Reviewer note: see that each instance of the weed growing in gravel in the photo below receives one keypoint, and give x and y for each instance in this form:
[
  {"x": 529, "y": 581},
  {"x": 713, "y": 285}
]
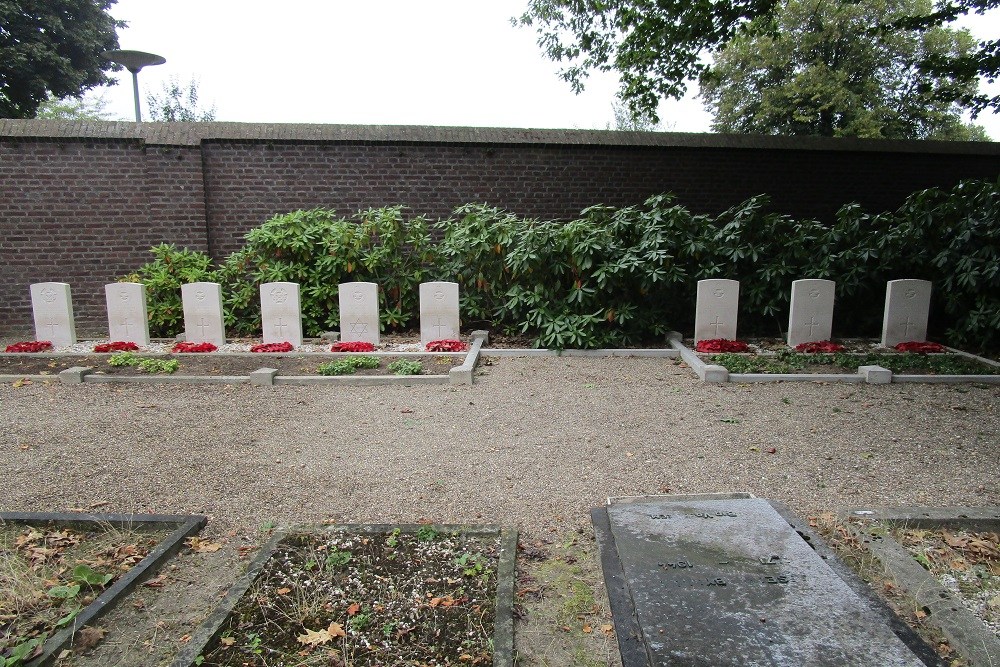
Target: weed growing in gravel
[{"x": 406, "y": 367}]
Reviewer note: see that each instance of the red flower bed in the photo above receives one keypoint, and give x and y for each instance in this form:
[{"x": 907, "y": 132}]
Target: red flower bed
[
  {"x": 273, "y": 347},
  {"x": 116, "y": 346},
  {"x": 353, "y": 346},
  {"x": 30, "y": 346},
  {"x": 922, "y": 347},
  {"x": 721, "y": 345},
  {"x": 194, "y": 347},
  {"x": 446, "y": 346},
  {"x": 816, "y": 347}
]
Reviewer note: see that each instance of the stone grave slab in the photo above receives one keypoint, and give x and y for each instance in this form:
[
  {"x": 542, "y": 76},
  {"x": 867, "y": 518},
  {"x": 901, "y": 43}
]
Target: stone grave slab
[
  {"x": 699, "y": 581},
  {"x": 203, "y": 321},
  {"x": 810, "y": 315},
  {"x": 907, "y": 306},
  {"x": 439, "y": 318},
  {"x": 359, "y": 312},
  {"x": 127, "y": 316},
  {"x": 716, "y": 309},
  {"x": 52, "y": 307},
  {"x": 281, "y": 313}
]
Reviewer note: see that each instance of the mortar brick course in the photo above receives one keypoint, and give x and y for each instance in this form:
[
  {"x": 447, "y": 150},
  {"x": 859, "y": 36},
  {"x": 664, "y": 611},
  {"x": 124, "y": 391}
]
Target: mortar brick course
[{"x": 82, "y": 202}]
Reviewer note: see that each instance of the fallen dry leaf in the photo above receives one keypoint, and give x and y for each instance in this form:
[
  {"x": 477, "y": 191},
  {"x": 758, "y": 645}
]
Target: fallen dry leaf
[
  {"x": 201, "y": 546},
  {"x": 314, "y": 637},
  {"x": 89, "y": 637},
  {"x": 156, "y": 582},
  {"x": 227, "y": 641},
  {"x": 20, "y": 383},
  {"x": 283, "y": 591},
  {"x": 185, "y": 639},
  {"x": 336, "y": 630},
  {"x": 353, "y": 609},
  {"x": 608, "y": 629},
  {"x": 587, "y": 628}
]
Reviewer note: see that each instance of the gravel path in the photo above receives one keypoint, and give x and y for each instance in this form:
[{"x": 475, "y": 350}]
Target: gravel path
[{"x": 535, "y": 443}]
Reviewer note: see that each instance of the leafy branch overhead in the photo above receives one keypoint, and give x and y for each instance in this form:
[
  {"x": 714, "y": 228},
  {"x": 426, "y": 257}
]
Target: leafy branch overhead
[{"x": 659, "y": 48}]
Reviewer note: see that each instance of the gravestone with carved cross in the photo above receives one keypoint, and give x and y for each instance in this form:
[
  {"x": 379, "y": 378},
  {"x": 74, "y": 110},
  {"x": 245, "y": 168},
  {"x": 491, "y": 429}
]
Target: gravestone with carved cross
[
  {"x": 715, "y": 309},
  {"x": 52, "y": 307},
  {"x": 439, "y": 318},
  {"x": 810, "y": 314},
  {"x": 907, "y": 307},
  {"x": 127, "y": 316},
  {"x": 359, "y": 312},
  {"x": 281, "y": 313},
  {"x": 203, "y": 321}
]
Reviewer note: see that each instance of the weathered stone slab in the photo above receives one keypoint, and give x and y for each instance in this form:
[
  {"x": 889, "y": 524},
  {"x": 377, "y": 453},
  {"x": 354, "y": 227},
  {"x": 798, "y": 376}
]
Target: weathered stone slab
[
  {"x": 52, "y": 307},
  {"x": 730, "y": 582},
  {"x": 439, "y": 318},
  {"x": 281, "y": 313},
  {"x": 203, "y": 313},
  {"x": 359, "y": 312},
  {"x": 907, "y": 306},
  {"x": 128, "y": 319},
  {"x": 810, "y": 315},
  {"x": 716, "y": 309}
]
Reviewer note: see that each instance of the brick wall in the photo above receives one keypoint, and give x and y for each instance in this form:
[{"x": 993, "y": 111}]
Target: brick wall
[{"x": 83, "y": 202}]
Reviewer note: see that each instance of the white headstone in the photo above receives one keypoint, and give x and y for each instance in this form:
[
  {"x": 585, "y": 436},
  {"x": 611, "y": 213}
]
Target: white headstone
[
  {"x": 52, "y": 306},
  {"x": 810, "y": 315},
  {"x": 127, "y": 317},
  {"x": 203, "y": 313},
  {"x": 439, "y": 312},
  {"x": 716, "y": 309},
  {"x": 281, "y": 313},
  {"x": 907, "y": 306},
  {"x": 359, "y": 312}
]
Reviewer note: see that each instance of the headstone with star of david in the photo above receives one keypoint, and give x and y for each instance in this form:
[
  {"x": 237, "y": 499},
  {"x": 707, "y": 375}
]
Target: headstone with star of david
[
  {"x": 907, "y": 306},
  {"x": 810, "y": 315},
  {"x": 203, "y": 321},
  {"x": 281, "y": 313},
  {"x": 128, "y": 320},
  {"x": 359, "y": 312},
  {"x": 52, "y": 307},
  {"x": 439, "y": 319},
  {"x": 716, "y": 308}
]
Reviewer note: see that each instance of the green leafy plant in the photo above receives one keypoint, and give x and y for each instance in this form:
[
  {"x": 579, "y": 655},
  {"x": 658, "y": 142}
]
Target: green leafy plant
[
  {"x": 338, "y": 558},
  {"x": 427, "y": 534},
  {"x": 405, "y": 367},
  {"x": 153, "y": 365},
  {"x": 124, "y": 359},
  {"x": 348, "y": 365}
]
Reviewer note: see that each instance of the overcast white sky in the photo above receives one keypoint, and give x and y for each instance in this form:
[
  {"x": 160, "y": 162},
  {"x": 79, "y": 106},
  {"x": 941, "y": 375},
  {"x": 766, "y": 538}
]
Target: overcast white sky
[{"x": 378, "y": 62}]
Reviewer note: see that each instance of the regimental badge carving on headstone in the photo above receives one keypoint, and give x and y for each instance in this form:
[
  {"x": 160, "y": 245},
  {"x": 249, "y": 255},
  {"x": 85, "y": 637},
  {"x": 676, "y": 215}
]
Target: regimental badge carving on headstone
[
  {"x": 359, "y": 312},
  {"x": 281, "y": 313}
]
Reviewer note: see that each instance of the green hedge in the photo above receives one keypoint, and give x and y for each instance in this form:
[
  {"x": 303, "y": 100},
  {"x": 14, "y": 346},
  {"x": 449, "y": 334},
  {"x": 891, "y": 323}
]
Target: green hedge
[{"x": 615, "y": 276}]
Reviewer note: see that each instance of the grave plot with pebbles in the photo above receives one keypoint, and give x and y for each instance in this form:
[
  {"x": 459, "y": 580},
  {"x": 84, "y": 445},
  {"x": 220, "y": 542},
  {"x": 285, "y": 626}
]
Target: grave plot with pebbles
[{"x": 366, "y": 595}]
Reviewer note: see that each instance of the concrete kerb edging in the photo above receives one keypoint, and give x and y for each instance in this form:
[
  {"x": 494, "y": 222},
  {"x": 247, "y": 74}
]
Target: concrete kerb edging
[
  {"x": 186, "y": 526},
  {"x": 964, "y": 630},
  {"x": 865, "y": 374},
  {"x": 503, "y": 627}
]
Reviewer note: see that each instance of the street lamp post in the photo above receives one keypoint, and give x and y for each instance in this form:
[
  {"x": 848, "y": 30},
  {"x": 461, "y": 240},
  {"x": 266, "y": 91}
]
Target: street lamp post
[{"x": 134, "y": 61}]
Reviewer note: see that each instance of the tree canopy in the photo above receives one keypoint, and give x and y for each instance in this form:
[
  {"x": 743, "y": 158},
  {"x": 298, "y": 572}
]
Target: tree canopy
[
  {"x": 52, "y": 49},
  {"x": 816, "y": 67},
  {"x": 659, "y": 47},
  {"x": 178, "y": 103}
]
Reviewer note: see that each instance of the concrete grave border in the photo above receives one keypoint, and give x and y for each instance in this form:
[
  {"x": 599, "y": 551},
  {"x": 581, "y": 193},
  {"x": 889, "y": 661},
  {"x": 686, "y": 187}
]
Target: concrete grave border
[
  {"x": 458, "y": 375},
  {"x": 503, "y": 626},
  {"x": 186, "y": 526},
  {"x": 866, "y": 374},
  {"x": 627, "y": 630},
  {"x": 963, "y": 629}
]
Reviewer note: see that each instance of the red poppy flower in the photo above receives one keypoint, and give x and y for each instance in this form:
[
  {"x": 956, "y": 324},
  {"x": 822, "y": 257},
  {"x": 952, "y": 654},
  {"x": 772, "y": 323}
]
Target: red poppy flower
[
  {"x": 353, "y": 346},
  {"x": 446, "y": 346},
  {"x": 816, "y": 347},
  {"x": 921, "y": 347},
  {"x": 273, "y": 347},
  {"x": 194, "y": 347},
  {"x": 116, "y": 346},
  {"x": 30, "y": 346},
  {"x": 716, "y": 345}
]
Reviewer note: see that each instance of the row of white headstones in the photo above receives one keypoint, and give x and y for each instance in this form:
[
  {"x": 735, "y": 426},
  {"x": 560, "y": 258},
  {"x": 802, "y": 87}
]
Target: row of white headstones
[
  {"x": 907, "y": 304},
  {"x": 810, "y": 317},
  {"x": 281, "y": 312}
]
